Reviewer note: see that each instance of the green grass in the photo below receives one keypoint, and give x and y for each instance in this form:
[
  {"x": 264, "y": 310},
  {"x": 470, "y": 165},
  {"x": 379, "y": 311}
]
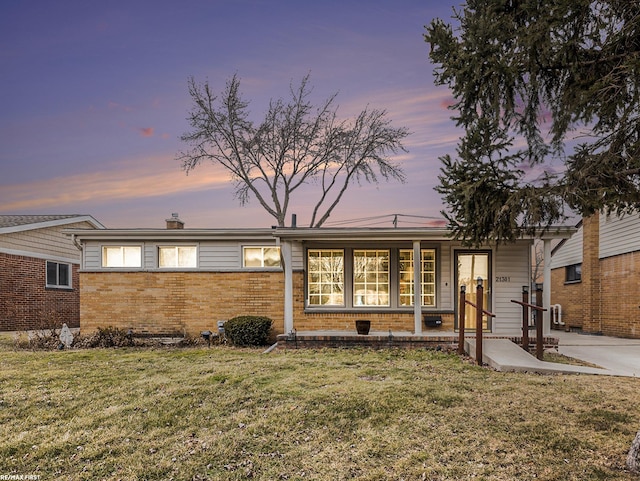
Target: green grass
[{"x": 224, "y": 413}]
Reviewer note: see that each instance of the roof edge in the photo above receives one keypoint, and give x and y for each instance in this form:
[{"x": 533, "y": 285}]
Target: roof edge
[{"x": 53, "y": 223}]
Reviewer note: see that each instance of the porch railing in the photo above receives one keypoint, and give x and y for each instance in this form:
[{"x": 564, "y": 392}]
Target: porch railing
[
  {"x": 537, "y": 307},
  {"x": 479, "y": 312}
]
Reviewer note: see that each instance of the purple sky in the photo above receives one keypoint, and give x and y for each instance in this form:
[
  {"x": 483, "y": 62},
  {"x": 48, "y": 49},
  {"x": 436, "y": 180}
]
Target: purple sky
[{"x": 94, "y": 100}]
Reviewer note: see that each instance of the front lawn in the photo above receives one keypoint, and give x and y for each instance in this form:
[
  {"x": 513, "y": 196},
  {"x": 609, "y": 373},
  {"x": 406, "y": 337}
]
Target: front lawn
[{"x": 224, "y": 413}]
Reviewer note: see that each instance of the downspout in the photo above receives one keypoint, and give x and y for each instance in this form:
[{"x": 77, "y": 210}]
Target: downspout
[
  {"x": 75, "y": 242},
  {"x": 79, "y": 247}
]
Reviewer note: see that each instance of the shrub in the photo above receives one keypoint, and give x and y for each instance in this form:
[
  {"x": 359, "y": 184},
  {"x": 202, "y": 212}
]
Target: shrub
[
  {"x": 106, "y": 337},
  {"x": 248, "y": 330}
]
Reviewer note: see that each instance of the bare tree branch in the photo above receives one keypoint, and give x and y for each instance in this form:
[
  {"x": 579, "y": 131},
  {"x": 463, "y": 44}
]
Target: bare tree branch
[{"x": 296, "y": 144}]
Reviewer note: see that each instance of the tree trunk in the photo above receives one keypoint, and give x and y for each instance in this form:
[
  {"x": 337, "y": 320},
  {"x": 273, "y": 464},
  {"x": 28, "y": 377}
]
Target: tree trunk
[{"x": 633, "y": 459}]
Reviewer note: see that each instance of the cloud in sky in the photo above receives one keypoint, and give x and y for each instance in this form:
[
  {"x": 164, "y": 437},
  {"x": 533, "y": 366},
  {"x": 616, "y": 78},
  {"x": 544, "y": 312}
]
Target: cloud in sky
[
  {"x": 116, "y": 78},
  {"x": 127, "y": 180}
]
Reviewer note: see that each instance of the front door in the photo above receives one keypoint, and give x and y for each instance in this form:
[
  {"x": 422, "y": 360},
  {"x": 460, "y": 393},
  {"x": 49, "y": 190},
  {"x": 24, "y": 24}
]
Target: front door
[{"x": 472, "y": 265}]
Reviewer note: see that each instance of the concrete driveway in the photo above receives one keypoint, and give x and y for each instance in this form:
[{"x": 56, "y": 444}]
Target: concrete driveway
[{"x": 618, "y": 355}]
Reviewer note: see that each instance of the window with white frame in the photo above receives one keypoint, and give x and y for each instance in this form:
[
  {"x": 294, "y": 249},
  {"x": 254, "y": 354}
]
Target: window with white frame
[
  {"x": 361, "y": 278},
  {"x": 261, "y": 256},
  {"x": 428, "y": 277},
  {"x": 121, "y": 256},
  {"x": 325, "y": 277},
  {"x": 58, "y": 275},
  {"x": 371, "y": 277},
  {"x": 177, "y": 256}
]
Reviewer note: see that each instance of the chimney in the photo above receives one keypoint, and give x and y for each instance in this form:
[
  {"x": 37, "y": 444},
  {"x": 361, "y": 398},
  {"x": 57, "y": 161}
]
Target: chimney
[{"x": 175, "y": 222}]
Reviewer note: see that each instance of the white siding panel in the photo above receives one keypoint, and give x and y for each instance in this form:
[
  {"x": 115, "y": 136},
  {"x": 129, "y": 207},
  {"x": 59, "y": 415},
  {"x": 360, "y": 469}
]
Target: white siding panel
[
  {"x": 511, "y": 272},
  {"x": 619, "y": 235},
  {"x": 569, "y": 253},
  {"x": 297, "y": 254},
  {"x": 92, "y": 256},
  {"x": 220, "y": 256},
  {"x": 149, "y": 260},
  {"x": 446, "y": 276},
  {"x": 49, "y": 241}
]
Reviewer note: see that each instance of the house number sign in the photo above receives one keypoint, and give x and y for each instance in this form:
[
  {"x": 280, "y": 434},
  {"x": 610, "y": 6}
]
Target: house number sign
[{"x": 503, "y": 279}]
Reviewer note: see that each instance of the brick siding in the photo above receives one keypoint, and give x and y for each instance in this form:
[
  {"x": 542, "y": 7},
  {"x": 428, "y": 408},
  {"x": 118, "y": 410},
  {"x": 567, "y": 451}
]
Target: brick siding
[
  {"x": 620, "y": 301},
  {"x": 570, "y": 297},
  {"x": 187, "y": 303},
  {"x": 606, "y": 301},
  {"x": 25, "y": 301},
  {"x": 184, "y": 303}
]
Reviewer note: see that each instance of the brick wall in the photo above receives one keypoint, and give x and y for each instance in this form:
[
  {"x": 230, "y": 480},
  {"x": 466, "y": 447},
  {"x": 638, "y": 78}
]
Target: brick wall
[
  {"x": 346, "y": 321},
  {"x": 192, "y": 302},
  {"x": 178, "y": 302},
  {"x": 607, "y": 300},
  {"x": 620, "y": 298},
  {"x": 591, "y": 273},
  {"x": 570, "y": 297},
  {"x": 25, "y": 302}
]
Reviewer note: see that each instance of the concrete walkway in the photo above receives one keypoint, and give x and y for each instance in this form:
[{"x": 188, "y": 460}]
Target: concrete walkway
[{"x": 614, "y": 356}]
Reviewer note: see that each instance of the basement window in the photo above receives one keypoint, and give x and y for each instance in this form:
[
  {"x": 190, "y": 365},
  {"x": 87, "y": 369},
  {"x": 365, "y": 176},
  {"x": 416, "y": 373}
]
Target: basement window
[{"x": 573, "y": 273}]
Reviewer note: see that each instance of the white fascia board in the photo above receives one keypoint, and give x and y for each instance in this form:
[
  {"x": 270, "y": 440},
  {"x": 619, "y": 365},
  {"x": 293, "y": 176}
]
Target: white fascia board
[
  {"x": 170, "y": 234},
  {"x": 52, "y": 223}
]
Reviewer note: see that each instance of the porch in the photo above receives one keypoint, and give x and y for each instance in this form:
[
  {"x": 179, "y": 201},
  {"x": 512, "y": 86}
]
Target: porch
[{"x": 390, "y": 339}]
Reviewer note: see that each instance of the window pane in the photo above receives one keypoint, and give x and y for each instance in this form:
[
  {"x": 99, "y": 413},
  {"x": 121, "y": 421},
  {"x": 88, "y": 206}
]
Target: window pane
[
  {"x": 167, "y": 257},
  {"x": 112, "y": 257},
  {"x": 271, "y": 257},
  {"x": 52, "y": 273},
  {"x": 573, "y": 273},
  {"x": 326, "y": 276},
  {"x": 63, "y": 275},
  {"x": 132, "y": 256},
  {"x": 371, "y": 277},
  {"x": 252, "y": 257},
  {"x": 428, "y": 284},
  {"x": 187, "y": 256}
]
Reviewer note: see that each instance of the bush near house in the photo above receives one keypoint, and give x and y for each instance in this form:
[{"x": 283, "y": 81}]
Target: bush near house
[{"x": 248, "y": 330}]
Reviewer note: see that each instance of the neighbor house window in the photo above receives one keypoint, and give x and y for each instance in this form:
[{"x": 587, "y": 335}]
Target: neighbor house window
[
  {"x": 428, "y": 276},
  {"x": 177, "y": 256},
  {"x": 370, "y": 277},
  {"x": 325, "y": 280},
  {"x": 58, "y": 274},
  {"x": 573, "y": 273},
  {"x": 122, "y": 256},
  {"x": 259, "y": 256}
]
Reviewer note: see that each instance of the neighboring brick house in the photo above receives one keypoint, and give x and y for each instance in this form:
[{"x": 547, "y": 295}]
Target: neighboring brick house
[
  {"x": 39, "y": 271},
  {"x": 183, "y": 281},
  {"x": 595, "y": 277}
]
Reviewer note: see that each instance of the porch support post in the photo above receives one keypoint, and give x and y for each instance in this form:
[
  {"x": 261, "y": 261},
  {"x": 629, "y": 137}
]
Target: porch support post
[
  {"x": 417, "y": 288},
  {"x": 546, "y": 289},
  {"x": 288, "y": 287}
]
